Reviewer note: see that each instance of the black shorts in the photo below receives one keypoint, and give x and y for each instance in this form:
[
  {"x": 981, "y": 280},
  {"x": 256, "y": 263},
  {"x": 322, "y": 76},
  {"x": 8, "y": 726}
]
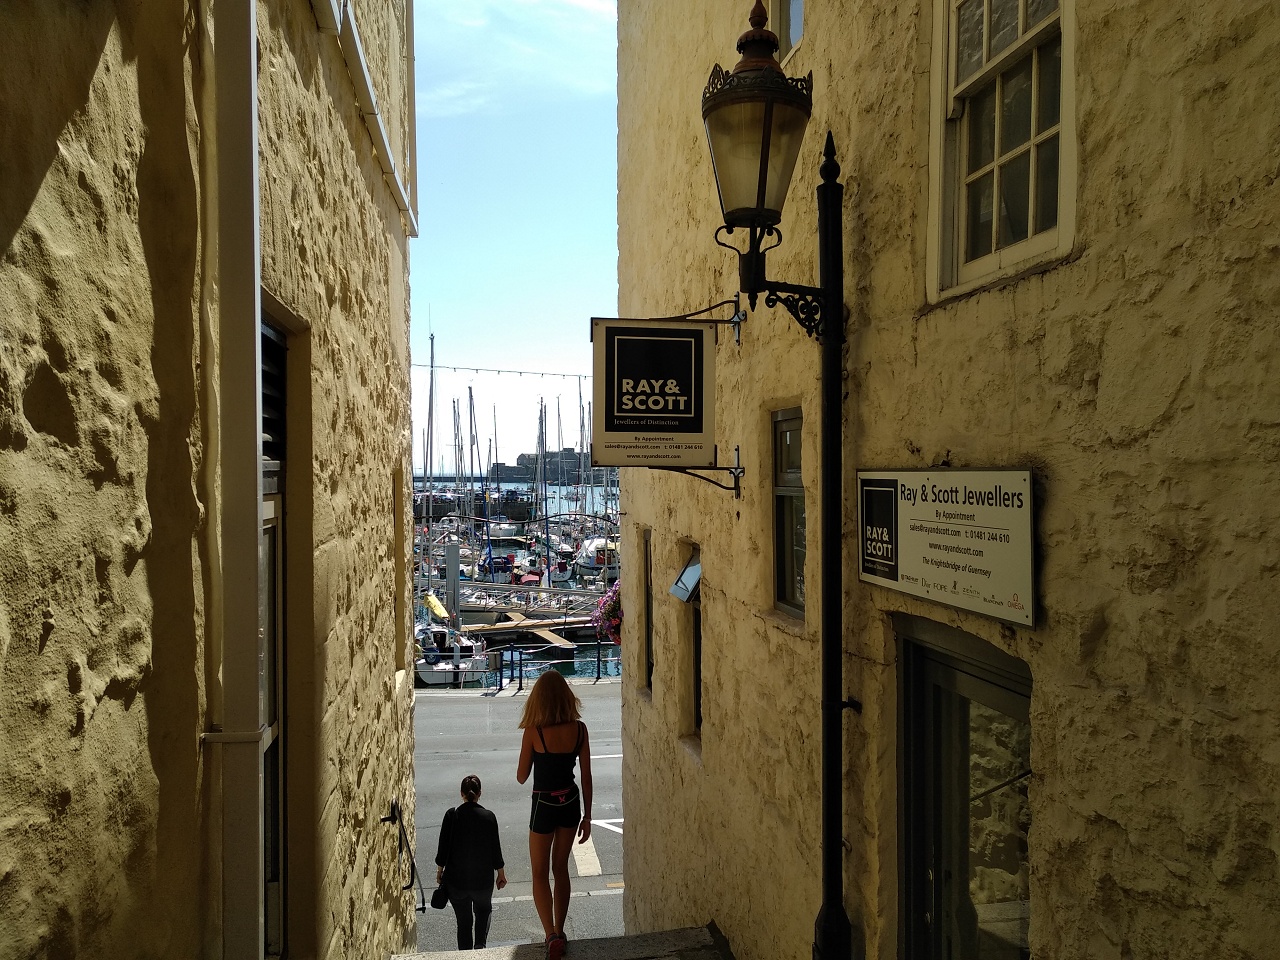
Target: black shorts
[{"x": 555, "y": 810}]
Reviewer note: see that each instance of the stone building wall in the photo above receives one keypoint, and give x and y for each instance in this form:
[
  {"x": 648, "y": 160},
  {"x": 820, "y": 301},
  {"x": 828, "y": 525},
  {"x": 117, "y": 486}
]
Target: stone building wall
[
  {"x": 109, "y": 809},
  {"x": 1135, "y": 378},
  {"x": 335, "y": 256}
]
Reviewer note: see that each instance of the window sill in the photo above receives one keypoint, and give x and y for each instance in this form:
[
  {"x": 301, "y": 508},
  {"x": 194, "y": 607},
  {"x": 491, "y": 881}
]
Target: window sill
[
  {"x": 788, "y": 621},
  {"x": 996, "y": 281},
  {"x": 795, "y": 614},
  {"x": 692, "y": 743}
]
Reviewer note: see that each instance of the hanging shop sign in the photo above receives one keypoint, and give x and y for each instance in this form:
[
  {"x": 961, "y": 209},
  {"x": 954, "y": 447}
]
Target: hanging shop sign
[
  {"x": 959, "y": 537},
  {"x": 654, "y": 394}
]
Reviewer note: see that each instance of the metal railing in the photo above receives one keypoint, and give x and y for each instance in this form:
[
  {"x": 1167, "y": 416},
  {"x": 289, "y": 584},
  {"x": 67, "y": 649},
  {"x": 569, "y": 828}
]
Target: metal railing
[
  {"x": 522, "y": 598},
  {"x": 524, "y": 662}
]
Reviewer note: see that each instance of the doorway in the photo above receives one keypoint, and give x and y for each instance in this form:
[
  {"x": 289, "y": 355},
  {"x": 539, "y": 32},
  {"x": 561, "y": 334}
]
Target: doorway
[{"x": 965, "y": 762}]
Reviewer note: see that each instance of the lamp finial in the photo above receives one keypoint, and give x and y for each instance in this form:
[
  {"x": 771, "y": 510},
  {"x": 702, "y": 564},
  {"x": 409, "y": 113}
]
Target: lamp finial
[
  {"x": 830, "y": 168},
  {"x": 759, "y": 44}
]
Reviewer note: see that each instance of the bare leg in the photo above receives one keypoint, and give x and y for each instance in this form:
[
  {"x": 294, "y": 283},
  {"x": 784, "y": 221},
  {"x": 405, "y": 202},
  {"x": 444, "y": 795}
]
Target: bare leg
[
  {"x": 560, "y": 848},
  {"x": 540, "y": 859}
]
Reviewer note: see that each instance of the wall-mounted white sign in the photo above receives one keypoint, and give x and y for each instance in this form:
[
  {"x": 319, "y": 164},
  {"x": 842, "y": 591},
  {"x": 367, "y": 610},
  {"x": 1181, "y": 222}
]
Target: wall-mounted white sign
[
  {"x": 654, "y": 394},
  {"x": 959, "y": 537}
]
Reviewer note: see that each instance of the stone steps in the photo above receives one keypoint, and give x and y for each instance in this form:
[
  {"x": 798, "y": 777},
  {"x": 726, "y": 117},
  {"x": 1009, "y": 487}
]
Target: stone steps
[{"x": 692, "y": 943}]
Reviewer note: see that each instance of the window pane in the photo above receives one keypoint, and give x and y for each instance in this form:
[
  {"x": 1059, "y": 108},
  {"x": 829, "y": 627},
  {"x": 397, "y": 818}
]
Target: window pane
[
  {"x": 795, "y": 22},
  {"x": 1015, "y": 107},
  {"x": 1037, "y": 10},
  {"x": 787, "y": 454},
  {"x": 1015, "y": 194},
  {"x": 979, "y": 215},
  {"x": 982, "y": 129},
  {"x": 969, "y": 40},
  {"x": 1047, "y": 185},
  {"x": 270, "y": 550},
  {"x": 1049, "y": 109},
  {"x": 999, "y": 819},
  {"x": 791, "y": 549},
  {"x": 1004, "y": 24}
]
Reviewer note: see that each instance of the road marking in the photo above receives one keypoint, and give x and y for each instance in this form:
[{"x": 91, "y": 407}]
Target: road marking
[
  {"x": 615, "y": 884},
  {"x": 606, "y": 756},
  {"x": 586, "y": 859},
  {"x": 614, "y": 825}
]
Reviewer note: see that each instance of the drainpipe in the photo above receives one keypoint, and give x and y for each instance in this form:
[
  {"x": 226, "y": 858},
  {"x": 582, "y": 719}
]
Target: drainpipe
[
  {"x": 239, "y": 422},
  {"x": 412, "y": 80}
]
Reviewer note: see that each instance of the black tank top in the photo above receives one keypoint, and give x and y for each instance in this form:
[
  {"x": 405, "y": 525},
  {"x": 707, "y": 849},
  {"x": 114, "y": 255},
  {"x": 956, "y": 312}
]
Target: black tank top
[{"x": 554, "y": 771}]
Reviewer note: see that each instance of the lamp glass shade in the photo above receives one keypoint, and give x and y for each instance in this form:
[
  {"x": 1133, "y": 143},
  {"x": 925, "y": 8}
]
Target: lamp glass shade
[{"x": 739, "y": 132}]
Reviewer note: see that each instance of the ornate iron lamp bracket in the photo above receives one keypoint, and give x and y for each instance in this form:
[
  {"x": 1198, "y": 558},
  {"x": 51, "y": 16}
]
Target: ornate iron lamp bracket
[{"x": 802, "y": 302}]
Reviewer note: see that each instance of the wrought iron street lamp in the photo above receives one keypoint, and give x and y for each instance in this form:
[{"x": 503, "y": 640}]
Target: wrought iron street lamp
[{"x": 755, "y": 118}]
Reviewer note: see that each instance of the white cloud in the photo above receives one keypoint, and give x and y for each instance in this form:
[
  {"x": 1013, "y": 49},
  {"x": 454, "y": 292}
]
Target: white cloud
[
  {"x": 453, "y": 99},
  {"x": 471, "y": 50}
]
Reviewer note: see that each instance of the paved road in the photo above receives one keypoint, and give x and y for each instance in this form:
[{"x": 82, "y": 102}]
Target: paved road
[{"x": 462, "y": 732}]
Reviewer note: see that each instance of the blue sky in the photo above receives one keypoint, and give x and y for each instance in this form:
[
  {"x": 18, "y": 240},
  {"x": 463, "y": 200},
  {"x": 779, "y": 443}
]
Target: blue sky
[{"x": 517, "y": 246}]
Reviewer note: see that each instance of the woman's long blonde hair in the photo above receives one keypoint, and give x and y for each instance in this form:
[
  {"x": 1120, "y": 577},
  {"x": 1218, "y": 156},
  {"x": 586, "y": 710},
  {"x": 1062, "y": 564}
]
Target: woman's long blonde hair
[{"x": 551, "y": 702}]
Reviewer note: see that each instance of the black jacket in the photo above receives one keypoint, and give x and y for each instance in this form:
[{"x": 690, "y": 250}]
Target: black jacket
[{"x": 469, "y": 849}]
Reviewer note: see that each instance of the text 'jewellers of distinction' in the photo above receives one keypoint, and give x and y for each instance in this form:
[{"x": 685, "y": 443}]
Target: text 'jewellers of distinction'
[{"x": 959, "y": 537}]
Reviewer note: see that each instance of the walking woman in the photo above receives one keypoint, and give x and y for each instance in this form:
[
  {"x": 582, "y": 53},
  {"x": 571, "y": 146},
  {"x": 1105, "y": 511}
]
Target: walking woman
[
  {"x": 554, "y": 738},
  {"x": 468, "y": 853}
]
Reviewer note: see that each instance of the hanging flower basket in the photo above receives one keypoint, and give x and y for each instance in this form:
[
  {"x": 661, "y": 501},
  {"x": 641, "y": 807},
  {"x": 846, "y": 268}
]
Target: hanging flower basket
[{"x": 608, "y": 616}]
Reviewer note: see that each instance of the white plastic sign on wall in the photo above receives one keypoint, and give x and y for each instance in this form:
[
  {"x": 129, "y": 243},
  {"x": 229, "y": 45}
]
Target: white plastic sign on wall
[
  {"x": 653, "y": 394},
  {"x": 959, "y": 537}
]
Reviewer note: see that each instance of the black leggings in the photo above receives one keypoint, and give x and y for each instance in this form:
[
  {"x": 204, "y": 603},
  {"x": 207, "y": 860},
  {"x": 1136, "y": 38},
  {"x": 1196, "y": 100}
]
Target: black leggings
[{"x": 465, "y": 902}]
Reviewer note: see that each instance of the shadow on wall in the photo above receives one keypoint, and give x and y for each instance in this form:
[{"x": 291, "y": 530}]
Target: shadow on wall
[
  {"x": 52, "y": 50},
  {"x": 158, "y": 41},
  {"x": 41, "y": 90}
]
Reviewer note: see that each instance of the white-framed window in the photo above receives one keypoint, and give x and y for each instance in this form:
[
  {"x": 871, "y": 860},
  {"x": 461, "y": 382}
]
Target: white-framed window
[
  {"x": 786, "y": 19},
  {"x": 1002, "y": 165}
]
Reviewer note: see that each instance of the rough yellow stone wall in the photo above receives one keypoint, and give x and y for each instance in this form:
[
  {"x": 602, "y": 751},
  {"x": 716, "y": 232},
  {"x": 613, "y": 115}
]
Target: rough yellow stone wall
[
  {"x": 335, "y": 255},
  {"x": 108, "y": 803},
  {"x": 102, "y": 635},
  {"x": 1137, "y": 380}
]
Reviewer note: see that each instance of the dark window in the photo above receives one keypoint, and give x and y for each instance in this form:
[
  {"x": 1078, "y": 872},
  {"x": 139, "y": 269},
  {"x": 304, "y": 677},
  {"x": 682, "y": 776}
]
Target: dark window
[
  {"x": 788, "y": 513},
  {"x": 697, "y": 663},
  {"x": 648, "y": 609},
  {"x": 688, "y": 587},
  {"x": 966, "y": 760},
  {"x": 788, "y": 24},
  {"x": 1008, "y": 78},
  {"x": 271, "y": 571},
  {"x": 273, "y": 407}
]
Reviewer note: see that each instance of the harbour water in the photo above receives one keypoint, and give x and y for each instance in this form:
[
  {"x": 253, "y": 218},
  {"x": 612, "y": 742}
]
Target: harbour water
[
  {"x": 517, "y": 502},
  {"x": 588, "y": 662}
]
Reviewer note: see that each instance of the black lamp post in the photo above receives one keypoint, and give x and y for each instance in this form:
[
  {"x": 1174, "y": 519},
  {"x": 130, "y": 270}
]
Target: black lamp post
[{"x": 755, "y": 117}]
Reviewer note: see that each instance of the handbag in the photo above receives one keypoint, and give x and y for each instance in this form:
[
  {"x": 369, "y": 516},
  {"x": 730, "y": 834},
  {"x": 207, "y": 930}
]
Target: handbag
[{"x": 440, "y": 896}]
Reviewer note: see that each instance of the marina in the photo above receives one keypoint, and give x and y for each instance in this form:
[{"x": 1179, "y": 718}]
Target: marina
[{"x": 511, "y": 563}]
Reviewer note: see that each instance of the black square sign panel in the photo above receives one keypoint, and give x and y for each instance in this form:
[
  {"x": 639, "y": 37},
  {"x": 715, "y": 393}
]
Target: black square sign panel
[
  {"x": 879, "y": 534},
  {"x": 655, "y": 380}
]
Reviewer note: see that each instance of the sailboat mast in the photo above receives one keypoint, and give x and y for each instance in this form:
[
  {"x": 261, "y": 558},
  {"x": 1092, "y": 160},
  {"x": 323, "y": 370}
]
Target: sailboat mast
[
  {"x": 457, "y": 452},
  {"x": 497, "y": 473},
  {"x": 427, "y": 438},
  {"x": 584, "y": 460},
  {"x": 559, "y": 456},
  {"x": 546, "y": 512}
]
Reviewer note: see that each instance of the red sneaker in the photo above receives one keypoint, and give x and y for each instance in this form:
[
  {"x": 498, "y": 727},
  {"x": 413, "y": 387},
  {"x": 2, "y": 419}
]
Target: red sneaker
[{"x": 556, "y": 944}]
